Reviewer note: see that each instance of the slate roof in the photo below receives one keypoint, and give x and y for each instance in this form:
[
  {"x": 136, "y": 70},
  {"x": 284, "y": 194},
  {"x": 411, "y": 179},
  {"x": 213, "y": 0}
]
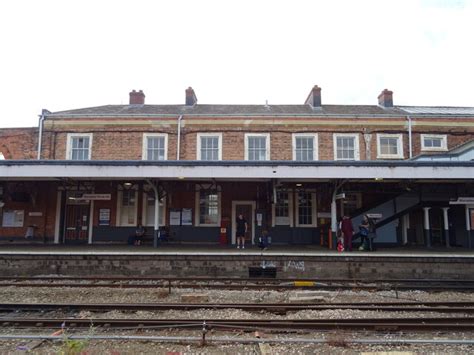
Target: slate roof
[
  {"x": 438, "y": 110},
  {"x": 263, "y": 110},
  {"x": 231, "y": 110}
]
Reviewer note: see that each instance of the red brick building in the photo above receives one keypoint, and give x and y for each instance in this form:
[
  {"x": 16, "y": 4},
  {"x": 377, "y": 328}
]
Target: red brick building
[{"x": 290, "y": 169}]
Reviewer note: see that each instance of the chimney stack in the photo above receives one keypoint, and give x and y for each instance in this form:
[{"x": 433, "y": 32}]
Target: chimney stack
[
  {"x": 314, "y": 97},
  {"x": 137, "y": 97},
  {"x": 386, "y": 98},
  {"x": 191, "y": 98}
]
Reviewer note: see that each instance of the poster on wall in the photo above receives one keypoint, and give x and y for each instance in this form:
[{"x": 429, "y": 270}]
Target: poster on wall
[
  {"x": 104, "y": 217},
  {"x": 187, "y": 217},
  {"x": 175, "y": 217},
  {"x": 13, "y": 218}
]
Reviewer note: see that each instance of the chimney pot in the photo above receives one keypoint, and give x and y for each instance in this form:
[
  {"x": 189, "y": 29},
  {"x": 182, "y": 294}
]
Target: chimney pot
[
  {"x": 191, "y": 98},
  {"x": 386, "y": 98},
  {"x": 137, "y": 98},
  {"x": 314, "y": 97}
]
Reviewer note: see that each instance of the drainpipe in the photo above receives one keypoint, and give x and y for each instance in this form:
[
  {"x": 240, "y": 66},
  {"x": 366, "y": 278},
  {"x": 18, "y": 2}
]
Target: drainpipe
[
  {"x": 156, "y": 227},
  {"x": 40, "y": 131},
  {"x": 409, "y": 137},
  {"x": 179, "y": 137}
]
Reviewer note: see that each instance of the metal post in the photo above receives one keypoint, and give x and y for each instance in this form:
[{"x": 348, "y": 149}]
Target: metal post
[
  {"x": 468, "y": 226},
  {"x": 156, "y": 228},
  {"x": 426, "y": 226},
  {"x": 446, "y": 225},
  {"x": 333, "y": 241}
]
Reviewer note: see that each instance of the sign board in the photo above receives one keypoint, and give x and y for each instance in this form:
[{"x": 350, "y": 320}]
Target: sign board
[
  {"x": 187, "y": 217},
  {"x": 324, "y": 214},
  {"x": 100, "y": 197},
  {"x": 340, "y": 196},
  {"x": 104, "y": 216},
  {"x": 462, "y": 201},
  {"x": 375, "y": 215},
  {"x": 35, "y": 214},
  {"x": 259, "y": 219},
  {"x": 13, "y": 218},
  {"x": 175, "y": 217}
]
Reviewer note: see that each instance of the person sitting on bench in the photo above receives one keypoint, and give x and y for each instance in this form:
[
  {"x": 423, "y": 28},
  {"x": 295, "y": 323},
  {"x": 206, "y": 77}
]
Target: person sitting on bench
[{"x": 139, "y": 233}]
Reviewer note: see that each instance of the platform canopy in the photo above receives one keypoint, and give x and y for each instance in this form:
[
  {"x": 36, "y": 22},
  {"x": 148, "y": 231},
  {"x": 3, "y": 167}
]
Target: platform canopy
[{"x": 236, "y": 170}]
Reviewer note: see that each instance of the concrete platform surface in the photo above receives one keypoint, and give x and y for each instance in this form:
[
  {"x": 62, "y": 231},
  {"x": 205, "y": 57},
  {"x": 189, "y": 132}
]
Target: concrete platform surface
[{"x": 200, "y": 250}]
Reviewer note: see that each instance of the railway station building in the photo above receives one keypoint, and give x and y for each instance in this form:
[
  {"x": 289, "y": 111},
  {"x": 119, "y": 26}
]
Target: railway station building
[{"x": 90, "y": 175}]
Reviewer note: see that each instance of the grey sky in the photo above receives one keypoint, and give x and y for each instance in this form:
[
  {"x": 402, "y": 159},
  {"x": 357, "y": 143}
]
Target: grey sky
[{"x": 62, "y": 55}]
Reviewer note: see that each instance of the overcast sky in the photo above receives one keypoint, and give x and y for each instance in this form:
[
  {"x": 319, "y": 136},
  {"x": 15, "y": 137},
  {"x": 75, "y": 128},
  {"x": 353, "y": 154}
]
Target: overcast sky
[{"x": 63, "y": 55}]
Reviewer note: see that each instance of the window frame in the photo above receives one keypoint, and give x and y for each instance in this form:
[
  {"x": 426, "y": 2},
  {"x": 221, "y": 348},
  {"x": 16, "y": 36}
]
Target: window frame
[
  {"x": 444, "y": 142},
  {"x": 69, "y": 140},
  {"x": 290, "y": 210},
  {"x": 197, "y": 210},
  {"x": 314, "y": 212},
  {"x": 219, "y": 144},
  {"x": 305, "y": 135},
  {"x": 267, "y": 145},
  {"x": 399, "y": 155},
  {"x": 145, "y": 144},
  {"x": 145, "y": 206},
  {"x": 356, "y": 145},
  {"x": 118, "y": 219}
]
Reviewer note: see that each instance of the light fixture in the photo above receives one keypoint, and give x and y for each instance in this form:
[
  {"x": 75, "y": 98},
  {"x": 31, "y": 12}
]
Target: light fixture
[
  {"x": 378, "y": 179},
  {"x": 181, "y": 177},
  {"x": 299, "y": 184},
  {"x": 127, "y": 185}
]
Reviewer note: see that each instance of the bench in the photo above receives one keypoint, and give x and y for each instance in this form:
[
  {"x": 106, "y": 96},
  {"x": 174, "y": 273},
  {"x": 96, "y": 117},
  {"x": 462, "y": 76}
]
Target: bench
[{"x": 148, "y": 237}]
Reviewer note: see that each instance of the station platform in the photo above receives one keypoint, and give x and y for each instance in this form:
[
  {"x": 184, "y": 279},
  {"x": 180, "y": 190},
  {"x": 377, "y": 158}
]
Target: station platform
[{"x": 217, "y": 261}]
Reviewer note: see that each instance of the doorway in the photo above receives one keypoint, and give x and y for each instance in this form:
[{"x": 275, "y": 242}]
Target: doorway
[
  {"x": 76, "y": 224},
  {"x": 247, "y": 209}
]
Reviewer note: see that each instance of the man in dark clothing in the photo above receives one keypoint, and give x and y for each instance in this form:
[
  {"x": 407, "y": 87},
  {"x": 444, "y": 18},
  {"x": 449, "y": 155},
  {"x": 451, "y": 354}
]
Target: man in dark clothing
[
  {"x": 241, "y": 229},
  {"x": 348, "y": 231}
]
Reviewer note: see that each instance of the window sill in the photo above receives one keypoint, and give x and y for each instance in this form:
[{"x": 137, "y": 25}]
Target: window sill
[
  {"x": 390, "y": 157},
  {"x": 434, "y": 149}
]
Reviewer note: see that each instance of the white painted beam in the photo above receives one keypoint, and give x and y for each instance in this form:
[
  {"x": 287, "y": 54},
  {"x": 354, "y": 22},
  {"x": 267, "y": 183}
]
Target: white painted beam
[{"x": 277, "y": 171}]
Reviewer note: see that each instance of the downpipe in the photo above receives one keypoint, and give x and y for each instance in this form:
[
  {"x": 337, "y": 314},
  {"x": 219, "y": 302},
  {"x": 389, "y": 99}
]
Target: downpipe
[
  {"x": 178, "y": 144},
  {"x": 40, "y": 131}
]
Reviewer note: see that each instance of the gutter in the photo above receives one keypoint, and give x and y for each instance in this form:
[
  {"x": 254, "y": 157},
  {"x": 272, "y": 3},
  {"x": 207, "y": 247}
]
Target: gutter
[
  {"x": 178, "y": 145},
  {"x": 40, "y": 130}
]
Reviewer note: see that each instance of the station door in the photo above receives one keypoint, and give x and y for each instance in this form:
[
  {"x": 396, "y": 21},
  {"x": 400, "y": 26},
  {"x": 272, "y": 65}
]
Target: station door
[{"x": 76, "y": 224}]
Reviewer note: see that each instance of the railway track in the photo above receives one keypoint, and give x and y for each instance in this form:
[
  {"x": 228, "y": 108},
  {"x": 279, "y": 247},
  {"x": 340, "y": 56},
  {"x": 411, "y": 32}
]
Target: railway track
[
  {"x": 239, "y": 283},
  {"x": 380, "y": 324},
  {"x": 441, "y": 307}
]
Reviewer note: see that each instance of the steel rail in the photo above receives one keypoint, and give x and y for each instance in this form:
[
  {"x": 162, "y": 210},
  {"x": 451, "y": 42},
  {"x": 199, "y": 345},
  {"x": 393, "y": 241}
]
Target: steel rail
[
  {"x": 315, "y": 286},
  {"x": 444, "y": 323},
  {"x": 231, "y": 279},
  {"x": 238, "y": 340},
  {"x": 442, "y": 307}
]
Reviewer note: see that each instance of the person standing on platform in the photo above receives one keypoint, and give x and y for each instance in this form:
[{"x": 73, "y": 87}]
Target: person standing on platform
[
  {"x": 364, "y": 233},
  {"x": 348, "y": 231},
  {"x": 242, "y": 227}
]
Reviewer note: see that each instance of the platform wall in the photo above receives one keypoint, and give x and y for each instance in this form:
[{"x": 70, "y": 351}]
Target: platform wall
[{"x": 369, "y": 267}]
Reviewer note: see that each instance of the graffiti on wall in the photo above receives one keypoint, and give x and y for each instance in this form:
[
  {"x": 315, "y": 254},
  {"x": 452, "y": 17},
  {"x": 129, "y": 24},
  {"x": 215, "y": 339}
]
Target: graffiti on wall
[{"x": 294, "y": 265}]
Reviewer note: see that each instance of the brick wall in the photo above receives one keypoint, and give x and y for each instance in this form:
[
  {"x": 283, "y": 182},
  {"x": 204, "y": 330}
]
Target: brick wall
[
  {"x": 125, "y": 142},
  {"x": 18, "y": 143},
  {"x": 41, "y": 198}
]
